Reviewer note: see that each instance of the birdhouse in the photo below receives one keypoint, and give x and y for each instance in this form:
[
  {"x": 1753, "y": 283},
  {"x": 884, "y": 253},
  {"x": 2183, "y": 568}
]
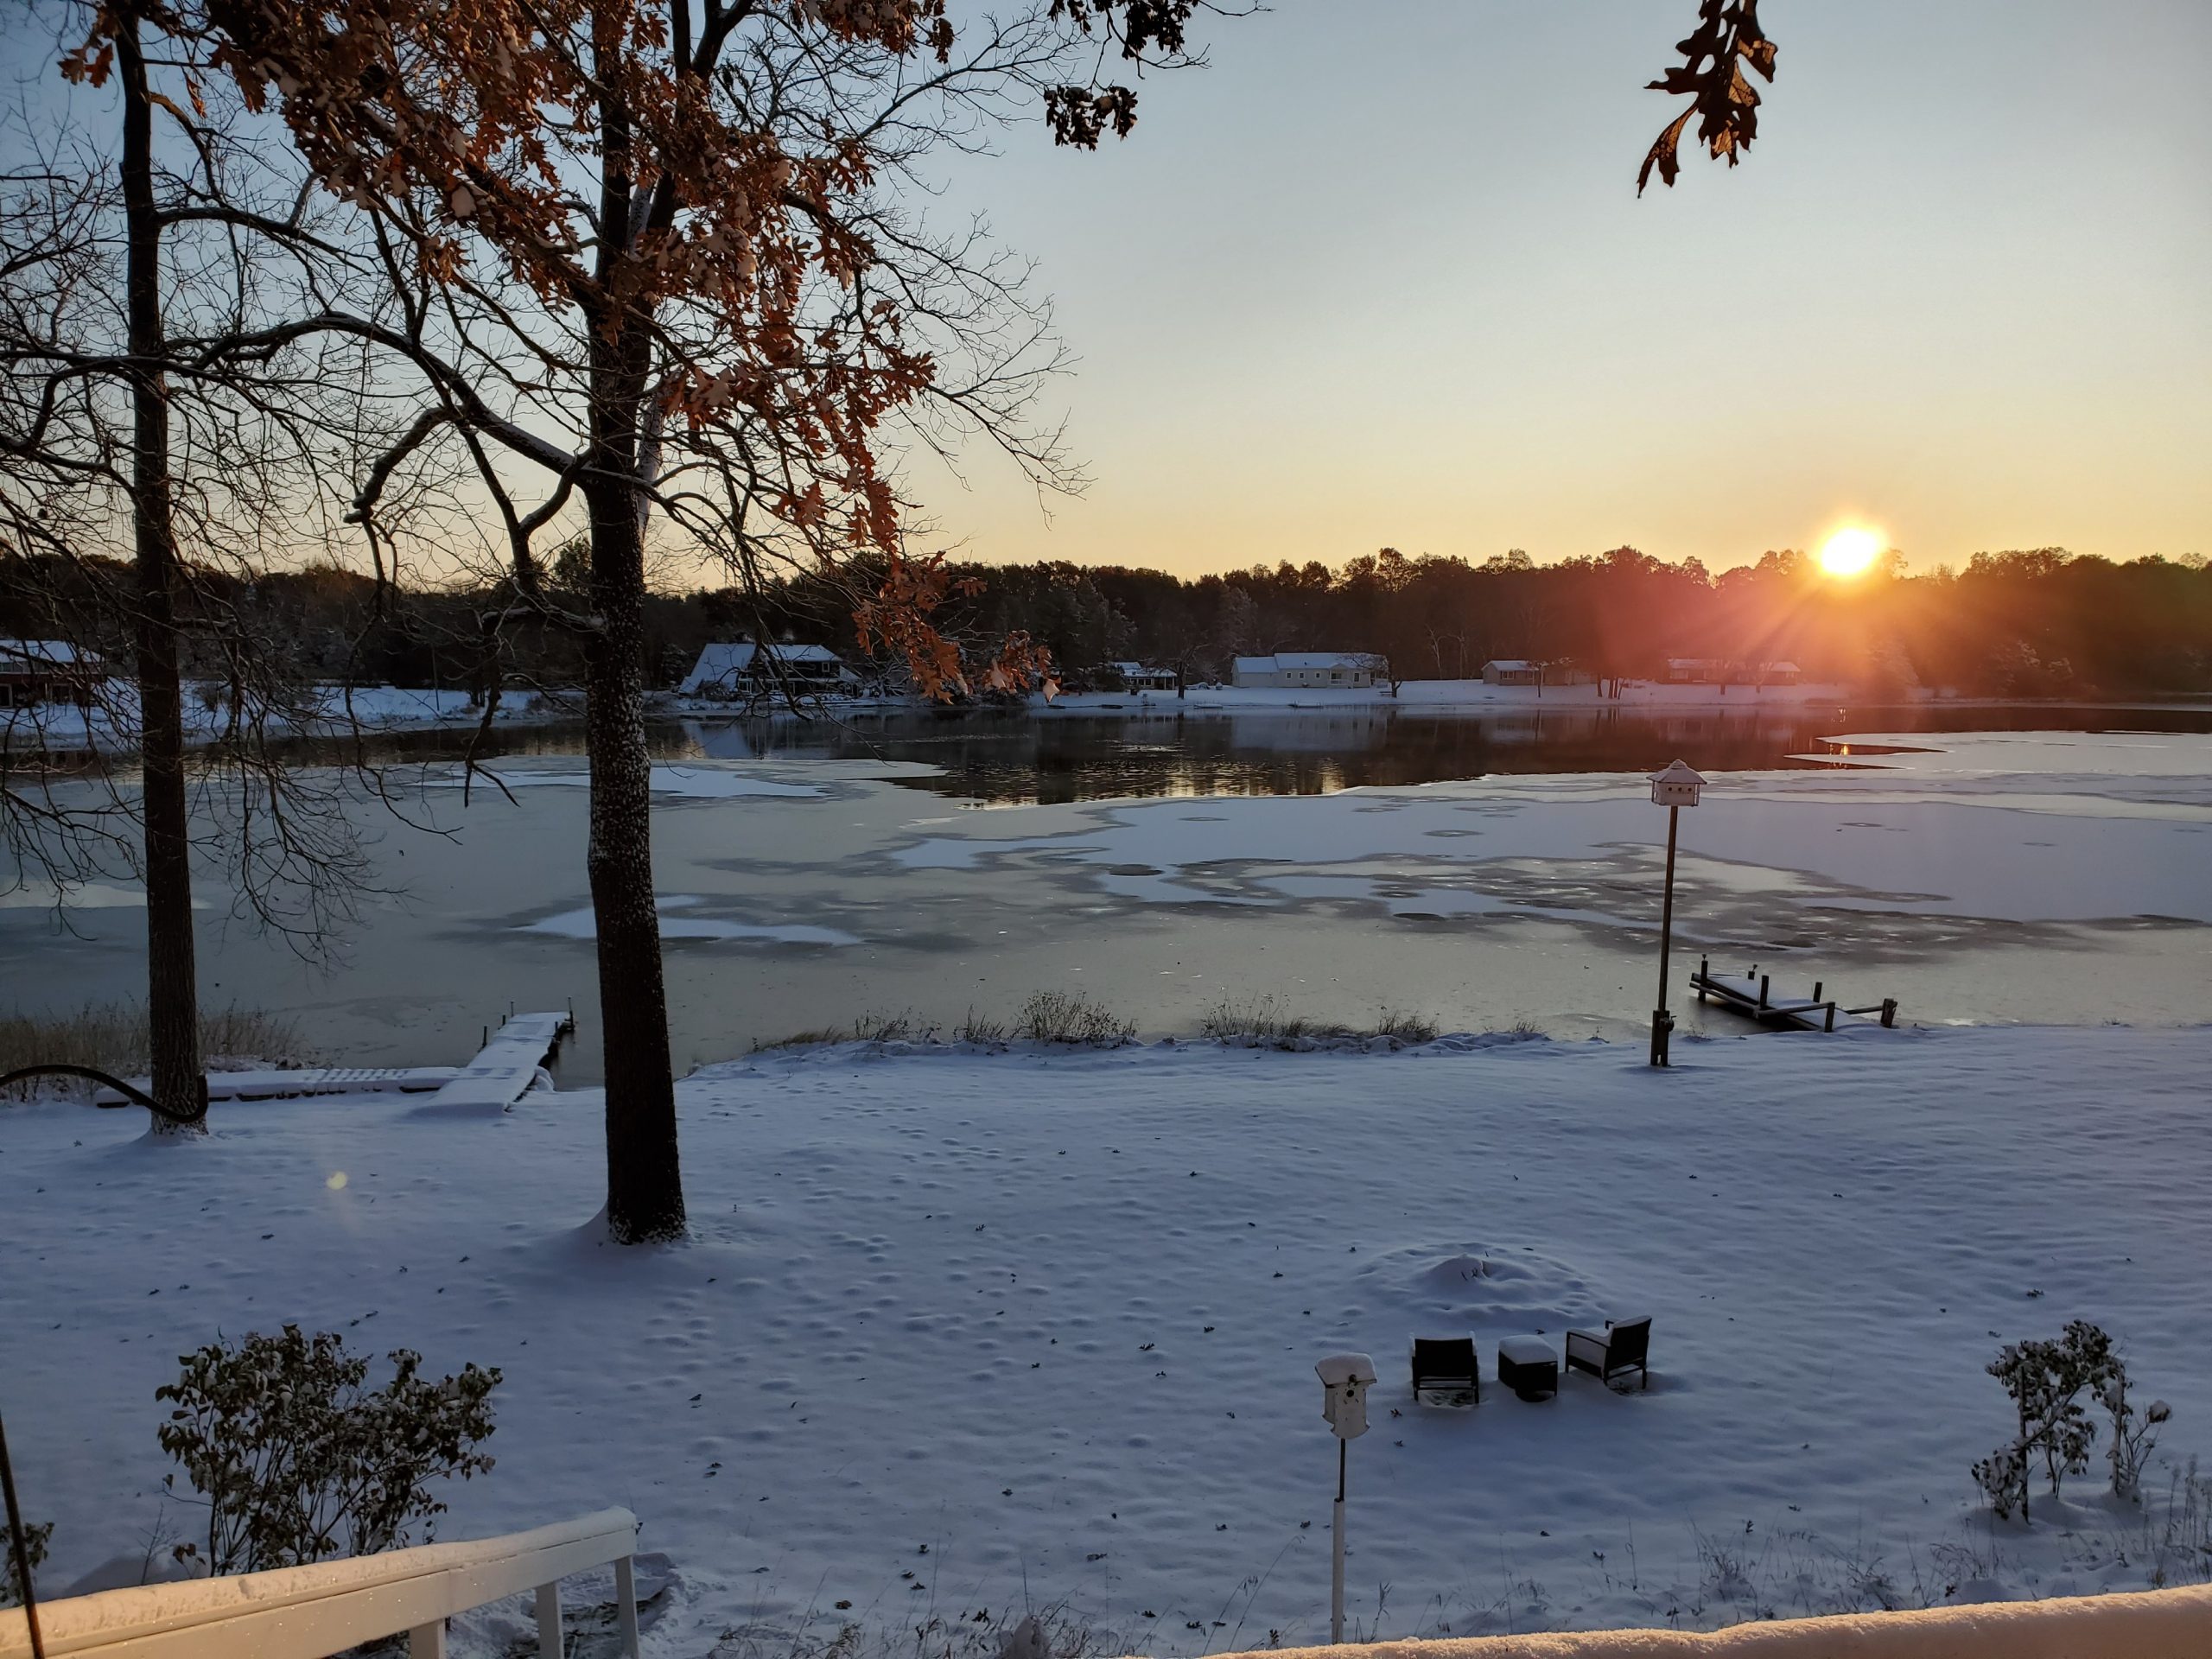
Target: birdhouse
[
  {"x": 1676, "y": 786},
  {"x": 1345, "y": 1379}
]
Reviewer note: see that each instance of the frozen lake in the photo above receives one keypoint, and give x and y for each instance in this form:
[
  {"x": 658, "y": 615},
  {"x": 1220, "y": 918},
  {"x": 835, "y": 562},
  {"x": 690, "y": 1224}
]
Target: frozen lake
[{"x": 1478, "y": 871}]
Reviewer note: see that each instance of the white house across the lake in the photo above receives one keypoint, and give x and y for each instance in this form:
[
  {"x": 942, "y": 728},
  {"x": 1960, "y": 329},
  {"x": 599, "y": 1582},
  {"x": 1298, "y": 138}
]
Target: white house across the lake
[
  {"x": 742, "y": 668},
  {"x": 1512, "y": 671},
  {"x": 1144, "y": 676},
  {"x": 48, "y": 670},
  {"x": 1312, "y": 668}
]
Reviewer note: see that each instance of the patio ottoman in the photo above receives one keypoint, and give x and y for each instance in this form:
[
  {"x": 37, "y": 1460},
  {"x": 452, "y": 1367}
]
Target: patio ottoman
[{"x": 1529, "y": 1366}]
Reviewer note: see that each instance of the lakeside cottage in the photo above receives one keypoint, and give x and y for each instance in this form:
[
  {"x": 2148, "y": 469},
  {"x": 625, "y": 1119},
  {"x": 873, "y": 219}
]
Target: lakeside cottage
[
  {"x": 1144, "y": 676},
  {"x": 1512, "y": 671},
  {"x": 48, "y": 670},
  {"x": 742, "y": 668},
  {"x": 1337, "y": 669}
]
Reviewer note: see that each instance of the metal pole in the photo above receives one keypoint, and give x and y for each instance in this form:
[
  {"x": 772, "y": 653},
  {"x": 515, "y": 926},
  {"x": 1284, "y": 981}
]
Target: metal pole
[
  {"x": 1336, "y": 1567},
  {"x": 19, "y": 1549},
  {"x": 1662, "y": 1023}
]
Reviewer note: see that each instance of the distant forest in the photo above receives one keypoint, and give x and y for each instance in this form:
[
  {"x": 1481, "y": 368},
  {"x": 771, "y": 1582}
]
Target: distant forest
[{"x": 2032, "y": 624}]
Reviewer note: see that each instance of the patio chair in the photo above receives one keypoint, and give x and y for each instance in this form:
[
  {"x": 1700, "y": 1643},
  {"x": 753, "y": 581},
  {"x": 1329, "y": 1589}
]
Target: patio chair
[
  {"x": 1447, "y": 1363},
  {"x": 1614, "y": 1352}
]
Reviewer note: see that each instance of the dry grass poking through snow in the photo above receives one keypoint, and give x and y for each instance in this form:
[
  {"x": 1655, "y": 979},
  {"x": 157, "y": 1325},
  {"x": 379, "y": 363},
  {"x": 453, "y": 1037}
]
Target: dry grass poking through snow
[
  {"x": 111, "y": 1036},
  {"x": 1068, "y": 1020},
  {"x": 1072, "y": 1019},
  {"x": 1049, "y": 1633},
  {"x": 1263, "y": 1022}
]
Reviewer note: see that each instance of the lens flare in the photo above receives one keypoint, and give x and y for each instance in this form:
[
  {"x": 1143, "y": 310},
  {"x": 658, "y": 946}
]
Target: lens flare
[{"x": 1851, "y": 552}]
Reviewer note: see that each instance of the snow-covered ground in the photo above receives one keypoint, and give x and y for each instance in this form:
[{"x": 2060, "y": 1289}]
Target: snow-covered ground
[
  {"x": 114, "y": 719},
  {"x": 960, "y": 1331}
]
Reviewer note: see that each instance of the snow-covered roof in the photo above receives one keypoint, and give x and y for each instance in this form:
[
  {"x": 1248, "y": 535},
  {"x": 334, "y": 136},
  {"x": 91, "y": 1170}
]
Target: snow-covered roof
[
  {"x": 1307, "y": 660},
  {"x": 1510, "y": 665},
  {"x": 1783, "y": 668},
  {"x": 45, "y": 653},
  {"x": 728, "y": 660}
]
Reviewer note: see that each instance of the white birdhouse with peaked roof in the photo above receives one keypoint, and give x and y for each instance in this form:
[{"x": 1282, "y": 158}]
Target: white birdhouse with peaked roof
[
  {"x": 1345, "y": 1379},
  {"x": 1678, "y": 785}
]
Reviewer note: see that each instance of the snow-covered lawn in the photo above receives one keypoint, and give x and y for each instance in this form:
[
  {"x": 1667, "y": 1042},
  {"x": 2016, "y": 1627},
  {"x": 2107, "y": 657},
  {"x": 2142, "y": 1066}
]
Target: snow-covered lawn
[{"x": 1042, "y": 1327}]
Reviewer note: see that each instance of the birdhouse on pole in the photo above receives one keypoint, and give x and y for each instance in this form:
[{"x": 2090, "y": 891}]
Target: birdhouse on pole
[{"x": 1678, "y": 786}]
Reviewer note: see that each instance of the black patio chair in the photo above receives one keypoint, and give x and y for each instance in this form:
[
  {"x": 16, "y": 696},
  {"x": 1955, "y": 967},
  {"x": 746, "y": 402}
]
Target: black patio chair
[
  {"x": 1618, "y": 1349},
  {"x": 1447, "y": 1363}
]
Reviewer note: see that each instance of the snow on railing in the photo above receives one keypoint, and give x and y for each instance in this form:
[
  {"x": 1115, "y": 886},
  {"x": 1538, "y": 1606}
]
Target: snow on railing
[
  {"x": 310, "y": 1612},
  {"x": 2148, "y": 1624}
]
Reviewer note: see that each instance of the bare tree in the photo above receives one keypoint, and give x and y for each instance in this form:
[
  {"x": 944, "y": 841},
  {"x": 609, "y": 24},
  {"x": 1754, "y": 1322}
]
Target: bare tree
[{"x": 160, "y": 422}]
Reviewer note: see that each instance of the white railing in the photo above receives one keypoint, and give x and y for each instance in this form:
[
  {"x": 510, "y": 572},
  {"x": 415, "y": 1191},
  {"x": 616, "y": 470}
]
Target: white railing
[
  {"x": 2148, "y": 1624},
  {"x": 310, "y": 1612}
]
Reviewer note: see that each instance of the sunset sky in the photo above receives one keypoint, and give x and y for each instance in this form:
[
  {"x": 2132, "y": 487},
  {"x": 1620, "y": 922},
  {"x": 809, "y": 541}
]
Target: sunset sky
[{"x": 1379, "y": 275}]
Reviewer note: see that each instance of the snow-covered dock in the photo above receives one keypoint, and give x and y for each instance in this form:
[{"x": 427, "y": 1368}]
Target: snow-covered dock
[
  {"x": 299, "y": 1082},
  {"x": 503, "y": 1072},
  {"x": 500, "y": 1075}
]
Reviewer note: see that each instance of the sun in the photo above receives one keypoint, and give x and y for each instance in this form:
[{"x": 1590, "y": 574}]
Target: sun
[{"x": 1851, "y": 552}]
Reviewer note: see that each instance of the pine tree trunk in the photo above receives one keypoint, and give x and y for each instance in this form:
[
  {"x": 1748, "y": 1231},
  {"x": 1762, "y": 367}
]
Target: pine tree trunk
[
  {"x": 645, "y": 1185},
  {"x": 172, "y": 991}
]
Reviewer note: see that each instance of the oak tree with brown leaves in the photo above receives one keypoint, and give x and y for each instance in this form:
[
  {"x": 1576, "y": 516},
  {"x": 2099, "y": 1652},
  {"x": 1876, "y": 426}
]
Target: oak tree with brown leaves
[
  {"x": 665, "y": 261},
  {"x": 661, "y": 261}
]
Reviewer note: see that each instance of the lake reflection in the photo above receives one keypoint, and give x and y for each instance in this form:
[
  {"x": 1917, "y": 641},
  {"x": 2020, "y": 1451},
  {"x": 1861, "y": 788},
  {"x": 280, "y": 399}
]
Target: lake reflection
[{"x": 1057, "y": 756}]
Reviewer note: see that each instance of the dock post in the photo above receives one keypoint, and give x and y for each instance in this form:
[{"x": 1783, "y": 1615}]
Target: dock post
[
  {"x": 1764, "y": 978},
  {"x": 1830, "y": 1025},
  {"x": 1816, "y": 990},
  {"x": 1888, "y": 1011},
  {"x": 1704, "y": 973}
]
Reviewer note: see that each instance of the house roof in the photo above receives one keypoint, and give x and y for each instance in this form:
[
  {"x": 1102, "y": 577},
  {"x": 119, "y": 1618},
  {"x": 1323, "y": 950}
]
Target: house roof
[
  {"x": 727, "y": 660},
  {"x": 1782, "y": 668},
  {"x": 1510, "y": 664},
  {"x": 1307, "y": 659},
  {"x": 45, "y": 653}
]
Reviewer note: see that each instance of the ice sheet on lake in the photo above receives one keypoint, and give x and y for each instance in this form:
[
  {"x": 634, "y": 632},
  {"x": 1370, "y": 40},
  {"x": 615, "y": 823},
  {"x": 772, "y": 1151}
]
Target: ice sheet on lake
[
  {"x": 695, "y": 783},
  {"x": 1967, "y": 839},
  {"x": 580, "y": 925}
]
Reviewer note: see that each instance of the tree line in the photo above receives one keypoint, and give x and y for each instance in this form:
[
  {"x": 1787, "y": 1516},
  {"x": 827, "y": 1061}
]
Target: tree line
[{"x": 2036, "y": 623}]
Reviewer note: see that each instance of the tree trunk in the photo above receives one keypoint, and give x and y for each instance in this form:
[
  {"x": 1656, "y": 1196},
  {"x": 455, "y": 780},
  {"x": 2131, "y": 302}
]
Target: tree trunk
[
  {"x": 172, "y": 991},
  {"x": 645, "y": 1184}
]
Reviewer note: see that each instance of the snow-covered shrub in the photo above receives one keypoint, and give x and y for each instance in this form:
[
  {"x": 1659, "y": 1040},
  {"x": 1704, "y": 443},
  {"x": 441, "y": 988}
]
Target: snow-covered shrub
[
  {"x": 2134, "y": 1434},
  {"x": 2003, "y": 1476},
  {"x": 297, "y": 1461},
  {"x": 2046, "y": 1380},
  {"x": 11, "y": 1583},
  {"x": 1072, "y": 1017}
]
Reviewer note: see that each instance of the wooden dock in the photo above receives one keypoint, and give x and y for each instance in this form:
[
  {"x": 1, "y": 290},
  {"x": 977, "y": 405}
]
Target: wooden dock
[
  {"x": 1752, "y": 994},
  {"x": 494, "y": 1080},
  {"x": 503, "y": 1072},
  {"x": 307, "y": 1080}
]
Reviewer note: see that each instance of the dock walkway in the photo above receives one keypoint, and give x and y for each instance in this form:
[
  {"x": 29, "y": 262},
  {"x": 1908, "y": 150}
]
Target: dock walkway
[{"x": 1752, "y": 994}]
